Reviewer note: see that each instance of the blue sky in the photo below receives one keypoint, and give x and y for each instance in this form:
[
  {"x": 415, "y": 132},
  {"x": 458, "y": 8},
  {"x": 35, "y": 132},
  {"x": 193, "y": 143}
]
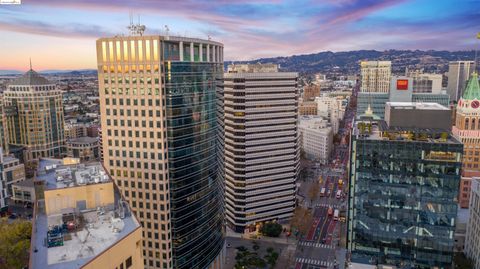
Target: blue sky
[{"x": 61, "y": 34}]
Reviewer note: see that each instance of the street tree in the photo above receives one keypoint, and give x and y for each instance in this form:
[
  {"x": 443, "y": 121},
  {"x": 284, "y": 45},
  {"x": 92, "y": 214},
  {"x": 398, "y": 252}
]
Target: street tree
[
  {"x": 301, "y": 220},
  {"x": 14, "y": 243},
  {"x": 313, "y": 190}
]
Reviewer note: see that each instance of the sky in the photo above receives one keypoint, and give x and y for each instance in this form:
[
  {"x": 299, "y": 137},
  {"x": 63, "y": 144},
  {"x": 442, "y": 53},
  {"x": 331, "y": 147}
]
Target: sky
[{"x": 61, "y": 34}]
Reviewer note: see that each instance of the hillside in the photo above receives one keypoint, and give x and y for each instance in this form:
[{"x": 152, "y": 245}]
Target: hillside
[{"x": 348, "y": 62}]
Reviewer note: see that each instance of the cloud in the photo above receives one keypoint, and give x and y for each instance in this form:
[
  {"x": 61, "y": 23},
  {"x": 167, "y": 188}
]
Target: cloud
[
  {"x": 262, "y": 28},
  {"x": 73, "y": 30}
]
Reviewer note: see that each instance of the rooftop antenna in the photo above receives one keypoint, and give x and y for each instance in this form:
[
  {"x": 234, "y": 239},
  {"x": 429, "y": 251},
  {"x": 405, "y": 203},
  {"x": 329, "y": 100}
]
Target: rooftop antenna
[
  {"x": 31, "y": 63},
  {"x": 476, "y": 52},
  {"x": 167, "y": 32},
  {"x": 136, "y": 29}
]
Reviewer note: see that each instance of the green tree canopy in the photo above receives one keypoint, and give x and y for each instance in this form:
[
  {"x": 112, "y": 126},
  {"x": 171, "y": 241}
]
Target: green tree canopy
[
  {"x": 271, "y": 229},
  {"x": 14, "y": 243}
]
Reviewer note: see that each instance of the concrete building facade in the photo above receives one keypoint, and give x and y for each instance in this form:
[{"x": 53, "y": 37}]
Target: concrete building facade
[
  {"x": 84, "y": 148},
  {"x": 458, "y": 74},
  {"x": 158, "y": 105},
  {"x": 262, "y": 150},
  {"x": 316, "y": 138},
  {"x": 81, "y": 220},
  {"x": 375, "y": 76}
]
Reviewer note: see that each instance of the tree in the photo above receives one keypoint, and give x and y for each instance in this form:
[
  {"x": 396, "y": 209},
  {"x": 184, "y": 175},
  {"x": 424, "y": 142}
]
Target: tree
[
  {"x": 313, "y": 190},
  {"x": 444, "y": 136},
  {"x": 14, "y": 243},
  {"x": 255, "y": 246},
  {"x": 271, "y": 257},
  {"x": 361, "y": 126},
  {"x": 271, "y": 229},
  {"x": 301, "y": 220}
]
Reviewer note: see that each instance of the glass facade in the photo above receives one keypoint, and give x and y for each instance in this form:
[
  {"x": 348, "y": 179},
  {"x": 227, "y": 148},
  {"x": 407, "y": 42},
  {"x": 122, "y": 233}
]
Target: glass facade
[
  {"x": 377, "y": 101},
  {"x": 402, "y": 206},
  {"x": 196, "y": 184}
]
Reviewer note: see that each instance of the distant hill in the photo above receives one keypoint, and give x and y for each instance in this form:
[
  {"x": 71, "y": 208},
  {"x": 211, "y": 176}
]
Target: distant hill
[
  {"x": 347, "y": 62},
  {"x": 53, "y": 72}
]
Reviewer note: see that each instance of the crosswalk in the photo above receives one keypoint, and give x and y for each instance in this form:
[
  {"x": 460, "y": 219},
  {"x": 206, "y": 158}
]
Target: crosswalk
[
  {"x": 315, "y": 245},
  {"x": 327, "y": 205},
  {"x": 314, "y": 262}
]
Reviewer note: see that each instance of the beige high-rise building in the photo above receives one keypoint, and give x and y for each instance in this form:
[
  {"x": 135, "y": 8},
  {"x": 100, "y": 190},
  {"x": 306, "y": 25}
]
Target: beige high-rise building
[
  {"x": 158, "y": 106},
  {"x": 34, "y": 111},
  {"x": 262, "y": 149},
  {"x": 458, "y": 74},
  {"x": 375, "y": 76}
]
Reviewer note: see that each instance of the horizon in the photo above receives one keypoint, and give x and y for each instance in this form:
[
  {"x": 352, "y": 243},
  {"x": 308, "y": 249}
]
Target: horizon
[
  {"x": 60, "y": 35},
  {"x": 273, "y": 57}
]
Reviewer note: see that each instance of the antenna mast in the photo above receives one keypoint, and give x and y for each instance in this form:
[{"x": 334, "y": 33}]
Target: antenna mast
[
  {"x": 476, "y": 52},
  {"x": 136, "y": 29}
]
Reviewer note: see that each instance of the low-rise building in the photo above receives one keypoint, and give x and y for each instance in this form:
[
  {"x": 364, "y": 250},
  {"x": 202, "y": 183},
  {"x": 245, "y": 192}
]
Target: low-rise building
[
  {"x": 11, "y": 172},
  {"x": 81, "y": 220},
  {"x": 307, "y": 108},
  {"x": 85, "y": 148},
  {"x": 316, "y": 138},
  {"x": 23, "y": 191}
]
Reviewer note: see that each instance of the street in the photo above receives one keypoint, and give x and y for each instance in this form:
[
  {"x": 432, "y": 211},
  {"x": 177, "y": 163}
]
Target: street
[{"x": 324, "y": 244}]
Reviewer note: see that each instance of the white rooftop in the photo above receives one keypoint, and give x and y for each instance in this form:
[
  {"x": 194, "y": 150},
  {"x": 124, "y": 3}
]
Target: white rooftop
[
  {"x": 95, "y": 230},
  {"x": 417, "y": 105}
]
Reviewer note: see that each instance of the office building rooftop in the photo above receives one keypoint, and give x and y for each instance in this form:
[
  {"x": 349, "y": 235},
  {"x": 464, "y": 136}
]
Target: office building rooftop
[
  {"x": 68, "y": 172},
  {"x": 74, "y": 236}
]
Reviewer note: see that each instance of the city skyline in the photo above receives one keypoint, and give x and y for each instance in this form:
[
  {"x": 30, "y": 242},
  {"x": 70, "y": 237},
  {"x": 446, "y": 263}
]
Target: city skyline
[{"x": 65, "y": 31}]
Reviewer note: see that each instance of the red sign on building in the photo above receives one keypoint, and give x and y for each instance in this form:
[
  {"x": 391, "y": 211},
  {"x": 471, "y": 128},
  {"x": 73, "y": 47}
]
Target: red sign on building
[{"x": 402, "y": 84}]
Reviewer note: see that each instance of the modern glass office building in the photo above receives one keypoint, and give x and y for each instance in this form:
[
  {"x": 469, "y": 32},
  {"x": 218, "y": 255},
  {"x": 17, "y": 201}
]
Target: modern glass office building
[
  {"x": 160, "y": 122},
  {"x": 403, "y": 192}
]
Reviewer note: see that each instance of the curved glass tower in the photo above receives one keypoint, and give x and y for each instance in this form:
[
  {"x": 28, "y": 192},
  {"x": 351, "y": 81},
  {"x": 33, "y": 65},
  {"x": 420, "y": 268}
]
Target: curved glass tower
[{"x": 161, "y": 106}]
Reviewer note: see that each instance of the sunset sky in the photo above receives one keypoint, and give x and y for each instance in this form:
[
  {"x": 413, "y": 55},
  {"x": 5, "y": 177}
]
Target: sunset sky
[{"x": 61, "y": 34}]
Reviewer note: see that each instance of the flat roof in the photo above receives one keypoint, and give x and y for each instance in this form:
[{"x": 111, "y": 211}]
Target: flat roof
[
  {"x": 83, "y": 139},
  {"x": 93, "y": 231},
  {"x": 379, "y": 126},
  {"x": 418, "y": 105},
  {"x": 57, "y": 175}
]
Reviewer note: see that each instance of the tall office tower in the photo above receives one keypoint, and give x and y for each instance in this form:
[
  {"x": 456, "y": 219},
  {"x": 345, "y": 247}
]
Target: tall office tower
[
  {"x": 458, "y": 74},
  {"x": 472, "y": 237},
  {"x": 375, "y": 76},
  {"x": 404, "y": 177},
  {"x": 262, "y": 149},
  {"x": 467, "y": 131},
  {"x": 158, "y": 110},
  {"x": 35, "y": 121}
]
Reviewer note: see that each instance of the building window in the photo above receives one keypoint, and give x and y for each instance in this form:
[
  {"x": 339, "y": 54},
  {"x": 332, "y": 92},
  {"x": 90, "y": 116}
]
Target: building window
[{"x": 128, "y": 262}]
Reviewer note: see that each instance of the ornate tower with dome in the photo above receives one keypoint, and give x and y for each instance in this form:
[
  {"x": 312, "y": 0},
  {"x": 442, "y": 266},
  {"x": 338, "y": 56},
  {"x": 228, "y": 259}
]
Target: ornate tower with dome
[{"x": 467, "y": 131}]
